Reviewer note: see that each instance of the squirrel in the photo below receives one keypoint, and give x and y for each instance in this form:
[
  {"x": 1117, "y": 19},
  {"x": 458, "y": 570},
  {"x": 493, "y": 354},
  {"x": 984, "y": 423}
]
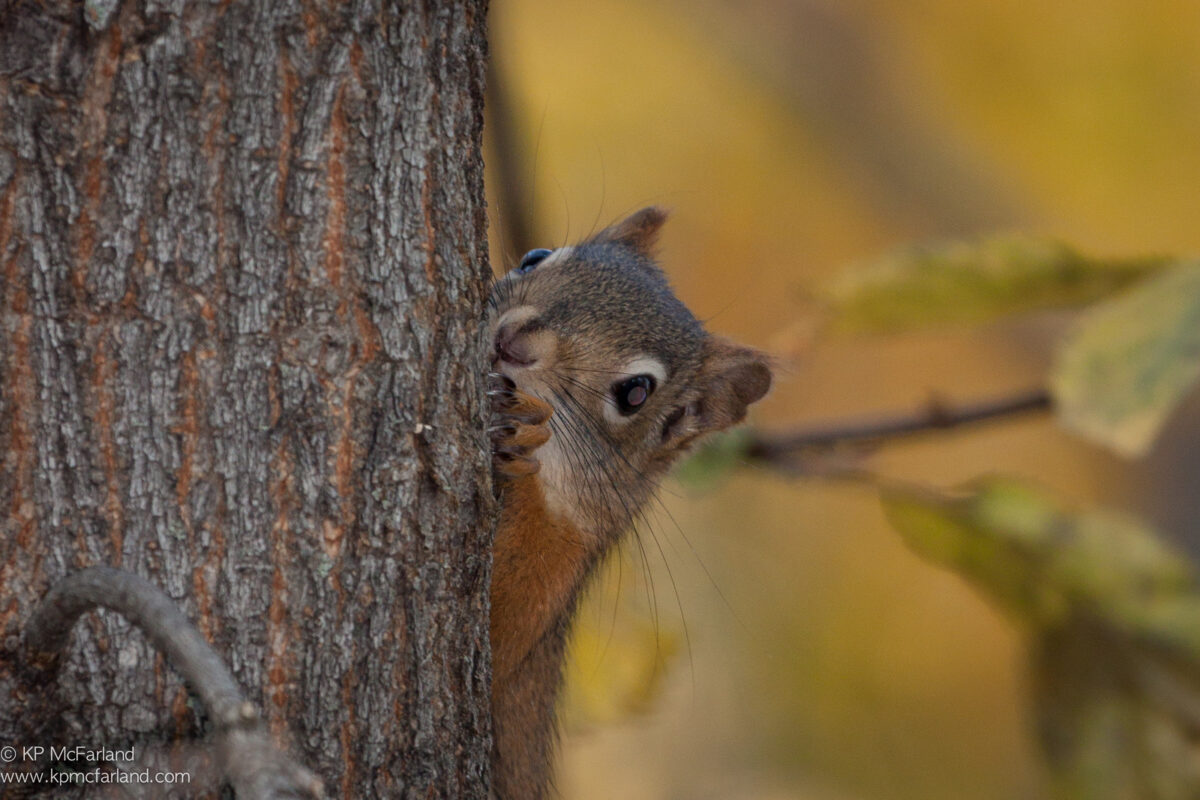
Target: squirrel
[{"x": 601, "y": 378}]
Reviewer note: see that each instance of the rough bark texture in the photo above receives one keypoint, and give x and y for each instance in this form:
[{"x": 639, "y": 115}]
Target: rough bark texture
[{"x": 242, "y": 261}]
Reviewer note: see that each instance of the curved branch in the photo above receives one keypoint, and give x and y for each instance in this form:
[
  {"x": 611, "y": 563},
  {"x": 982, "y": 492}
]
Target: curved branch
[
  {"x": 247, "y": 756},
  {"x": 144, "y": 605},
  {"x": 778, "y": 448}
]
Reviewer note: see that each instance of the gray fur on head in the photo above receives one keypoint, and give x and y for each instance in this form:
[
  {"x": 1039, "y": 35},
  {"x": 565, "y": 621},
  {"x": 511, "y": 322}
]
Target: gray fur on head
[{"x": 589, "y": 317}]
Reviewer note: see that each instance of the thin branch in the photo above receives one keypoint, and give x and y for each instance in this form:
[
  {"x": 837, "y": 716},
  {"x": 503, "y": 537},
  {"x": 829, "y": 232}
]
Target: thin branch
[
  {"x": 780, "y": 448},
  {"x": 507, "y": 147},
  {"x": 247, "y": 756}
]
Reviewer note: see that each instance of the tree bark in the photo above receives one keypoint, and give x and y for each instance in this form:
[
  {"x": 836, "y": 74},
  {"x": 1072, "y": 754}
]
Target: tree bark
[{"x": 243, "y": 264}]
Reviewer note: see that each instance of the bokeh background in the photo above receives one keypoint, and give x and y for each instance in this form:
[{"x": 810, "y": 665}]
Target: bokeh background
[{"x": 770, "y": 637}]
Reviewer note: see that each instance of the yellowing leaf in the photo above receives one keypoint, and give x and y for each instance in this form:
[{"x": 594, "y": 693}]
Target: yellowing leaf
[
  {"x": 1040, "y": 562},
  {"x": 1131, "y": 362},
  {"x": 1115, "y": 622},
  {"x": 972, "y": 282},
  {"x": 618, "y": 655},
  {"x": 614, "y": 672}
]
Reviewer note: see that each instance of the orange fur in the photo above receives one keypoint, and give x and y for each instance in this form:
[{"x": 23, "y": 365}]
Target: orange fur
[{"x": 538, "y": 563}]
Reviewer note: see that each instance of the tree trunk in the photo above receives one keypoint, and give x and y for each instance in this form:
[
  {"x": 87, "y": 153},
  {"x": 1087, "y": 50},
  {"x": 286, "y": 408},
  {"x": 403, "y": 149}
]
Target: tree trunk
[{"x": 243, "y": 259}]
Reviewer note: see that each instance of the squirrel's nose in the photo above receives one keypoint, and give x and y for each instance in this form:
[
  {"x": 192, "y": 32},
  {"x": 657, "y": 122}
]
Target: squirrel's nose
[
  {"x": 522, "y": 340},
  {"x": 513, "y": 346}
]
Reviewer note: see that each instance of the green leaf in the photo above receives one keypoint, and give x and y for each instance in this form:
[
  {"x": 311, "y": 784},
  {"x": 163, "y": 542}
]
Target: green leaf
[
  {"x": 973, "y": 282},
  {"x": 1114, "y": 617},
  {"x": 713, "y": 460},
  {"x": 1131, "y": 361}
]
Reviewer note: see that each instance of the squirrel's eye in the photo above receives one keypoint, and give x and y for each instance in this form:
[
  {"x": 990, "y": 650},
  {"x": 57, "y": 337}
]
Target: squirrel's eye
[
  {"x": 532, "y": 259},
  {"x": 632, "y": 394}
]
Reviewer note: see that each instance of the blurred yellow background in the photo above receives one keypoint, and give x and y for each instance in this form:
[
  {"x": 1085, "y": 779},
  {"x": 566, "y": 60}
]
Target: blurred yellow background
[{"x": 792, "y": 139}]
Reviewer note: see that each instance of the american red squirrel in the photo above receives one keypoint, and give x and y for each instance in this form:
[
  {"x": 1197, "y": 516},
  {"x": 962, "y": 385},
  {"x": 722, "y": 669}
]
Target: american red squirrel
[{"x": 601, "y": 379}]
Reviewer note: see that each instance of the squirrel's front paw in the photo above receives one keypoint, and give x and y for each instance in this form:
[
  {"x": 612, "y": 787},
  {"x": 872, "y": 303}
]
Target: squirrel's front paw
[{"x": 519, "y": 426}]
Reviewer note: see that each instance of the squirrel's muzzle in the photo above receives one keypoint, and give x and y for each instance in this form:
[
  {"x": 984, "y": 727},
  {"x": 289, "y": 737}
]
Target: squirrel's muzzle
[{"x": 522, "y": 340}]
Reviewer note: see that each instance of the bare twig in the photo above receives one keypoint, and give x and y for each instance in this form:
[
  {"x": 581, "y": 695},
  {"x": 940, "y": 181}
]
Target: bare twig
[
  {"x": 246, "y": 754},
  {"x": 504, "y": 132},
  {"x": 780, "y": 448}
]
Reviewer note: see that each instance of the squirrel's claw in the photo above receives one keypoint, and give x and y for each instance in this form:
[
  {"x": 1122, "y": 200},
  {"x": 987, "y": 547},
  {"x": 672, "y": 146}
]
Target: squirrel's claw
[{"x": 519, "y": 427}]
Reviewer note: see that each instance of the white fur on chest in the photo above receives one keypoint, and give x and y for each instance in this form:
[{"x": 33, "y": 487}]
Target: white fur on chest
[{"x": 556, "y": 479}]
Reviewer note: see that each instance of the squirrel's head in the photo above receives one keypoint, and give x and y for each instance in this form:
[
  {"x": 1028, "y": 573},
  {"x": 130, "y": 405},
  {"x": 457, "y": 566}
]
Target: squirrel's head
[{"x": 595, "y": 331}]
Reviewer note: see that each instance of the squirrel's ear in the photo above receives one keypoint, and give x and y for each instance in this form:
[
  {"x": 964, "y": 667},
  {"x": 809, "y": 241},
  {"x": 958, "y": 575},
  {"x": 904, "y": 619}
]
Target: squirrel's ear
[
  {"x": 639, "y": 230},
  {"x": 731, "y": 378}
]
